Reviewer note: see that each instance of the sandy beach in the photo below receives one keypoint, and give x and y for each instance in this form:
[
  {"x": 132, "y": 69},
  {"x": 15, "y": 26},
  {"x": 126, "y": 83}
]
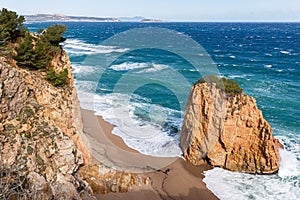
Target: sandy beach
[{"x": 171, "y": 178}]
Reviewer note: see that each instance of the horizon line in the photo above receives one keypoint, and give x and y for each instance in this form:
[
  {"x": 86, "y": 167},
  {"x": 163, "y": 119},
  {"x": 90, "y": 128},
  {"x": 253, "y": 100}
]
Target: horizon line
[{"x": 174, "y": 21}]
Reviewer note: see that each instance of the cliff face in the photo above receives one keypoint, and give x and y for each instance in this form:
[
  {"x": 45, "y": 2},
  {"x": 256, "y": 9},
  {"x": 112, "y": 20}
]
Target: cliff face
[
  {"x": 41, "y": 134},
  {"x": 228, "y": 132}
]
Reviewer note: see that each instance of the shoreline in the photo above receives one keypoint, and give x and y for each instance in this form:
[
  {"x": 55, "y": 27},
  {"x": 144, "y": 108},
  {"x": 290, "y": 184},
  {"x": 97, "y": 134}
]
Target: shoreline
[{"x": 171, "y": 178}]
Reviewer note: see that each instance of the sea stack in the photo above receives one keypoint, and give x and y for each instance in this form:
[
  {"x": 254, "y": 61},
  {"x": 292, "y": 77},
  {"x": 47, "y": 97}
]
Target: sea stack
[{"x": 224, "y": 128}]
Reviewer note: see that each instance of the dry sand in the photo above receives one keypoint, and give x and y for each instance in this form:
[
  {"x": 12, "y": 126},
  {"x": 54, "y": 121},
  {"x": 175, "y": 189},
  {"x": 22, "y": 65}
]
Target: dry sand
[{"x": 171, "y": 178}]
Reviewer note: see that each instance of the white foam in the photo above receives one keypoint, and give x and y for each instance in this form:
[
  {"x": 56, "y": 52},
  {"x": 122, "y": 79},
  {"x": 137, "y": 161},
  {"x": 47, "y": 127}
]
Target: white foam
[
  {"x": 240, "y": 76},
  {"x": 83, "y": 69},
  {"x": 228, "y": 185},
  {"x": 289, "y": 165},
  {"x": 233, "y": 57},
  {"x": 85, "y": 86},
  {"x": 268, "y": 66},
  {"x": 128, "y": 66},
  {"x": 78, "y": 47},
  {"x": 285, "y": 52},
  {"x": 145, "y": 136},
  {"x": 268, "y": 54},
  {"x": 154, "y": 68}
]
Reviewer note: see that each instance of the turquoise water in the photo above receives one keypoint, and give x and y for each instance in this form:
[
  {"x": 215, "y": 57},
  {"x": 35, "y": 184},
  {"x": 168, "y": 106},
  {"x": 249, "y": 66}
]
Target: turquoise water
[{"x": 263, "y": 58}]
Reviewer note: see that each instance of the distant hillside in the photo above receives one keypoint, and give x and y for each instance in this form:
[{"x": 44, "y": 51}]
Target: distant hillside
[
  {"x": 131, "y": 19},
  {"x": 64, "y": 18}
]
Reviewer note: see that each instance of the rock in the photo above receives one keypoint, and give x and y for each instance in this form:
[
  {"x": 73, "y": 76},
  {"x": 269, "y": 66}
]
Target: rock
[
  {"x": 104, "y": 180},
  {"x": 9, "y": 151},
  {"x": 228, "y": 132},
  {"x": 41, "y": 131},
  {"x": 41, "y": 134},
  {"x": 40, "y": 187},
  {"x": 63, "y": 187},
  {"x": 68, "y": 158}
]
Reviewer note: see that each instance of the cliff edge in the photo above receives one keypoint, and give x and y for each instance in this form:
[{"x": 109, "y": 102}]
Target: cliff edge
[
  {"x": 41, "y": 140},
  {"x": 227, "y": 131}
]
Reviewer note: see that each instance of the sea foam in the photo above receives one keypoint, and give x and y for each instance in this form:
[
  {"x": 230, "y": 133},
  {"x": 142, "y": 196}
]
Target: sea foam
[
  {"x": 79, "y": 47},
  {"x": 146, "y": 136},
  {"x": 229, "y": 185}
]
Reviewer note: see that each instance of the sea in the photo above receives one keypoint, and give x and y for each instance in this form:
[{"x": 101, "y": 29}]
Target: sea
[{"x": 137, "y": 76}]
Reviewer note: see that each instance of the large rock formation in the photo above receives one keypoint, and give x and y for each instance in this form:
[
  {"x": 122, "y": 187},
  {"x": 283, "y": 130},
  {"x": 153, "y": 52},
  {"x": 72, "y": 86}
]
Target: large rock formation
[
  {"x": 43, "y": 149},
  {"x": 41, "y": 136},
  {"x": 228, "y": 132}
]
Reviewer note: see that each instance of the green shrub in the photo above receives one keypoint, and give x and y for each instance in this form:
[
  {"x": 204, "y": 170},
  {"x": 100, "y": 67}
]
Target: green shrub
[
  {"x": 231, "y": 87},
  {"x": 58, "y": 80},
  {"x": 11, "y": 26},
  {"x": 54, "y": 34},
  {"x": 25, "y": 53},
  {"x": 30, "y": 56},
  {"x": 42, "y": 58}
]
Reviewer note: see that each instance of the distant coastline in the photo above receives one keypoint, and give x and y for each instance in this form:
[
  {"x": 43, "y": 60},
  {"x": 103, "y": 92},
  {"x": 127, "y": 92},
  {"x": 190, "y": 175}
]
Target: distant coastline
[{"x": 65, "y": 18}]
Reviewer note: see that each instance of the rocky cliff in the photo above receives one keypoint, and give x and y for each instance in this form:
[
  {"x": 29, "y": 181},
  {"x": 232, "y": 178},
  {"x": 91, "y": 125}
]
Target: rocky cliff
[
  {"x": 41, "y": 140},
  {"x": 44, "y": 153},
  {"x": 228, "y": 132}
]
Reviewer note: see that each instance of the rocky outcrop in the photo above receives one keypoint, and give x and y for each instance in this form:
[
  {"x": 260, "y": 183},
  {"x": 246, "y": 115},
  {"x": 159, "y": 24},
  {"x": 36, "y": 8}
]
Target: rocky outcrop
[
  {"x": 42, "y": 144},
  {"x": 228, "y": 132},
  {"x": 41, "y": 140},
  {"x": 104, "y": 180}
]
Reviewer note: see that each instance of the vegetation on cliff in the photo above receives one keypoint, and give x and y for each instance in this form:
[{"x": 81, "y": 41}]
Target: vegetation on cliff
[
  {"x": 11, "y": 26},
  {"x": 57, "y": 79},
  {"x": 33, "y": 51},
  {"x": 231, "y": 87}
]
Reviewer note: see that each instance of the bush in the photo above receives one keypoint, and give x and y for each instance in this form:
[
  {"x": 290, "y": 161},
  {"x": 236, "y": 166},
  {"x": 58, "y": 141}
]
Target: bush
[
  {"x": 42, "y": 58},
  {"x": 30, "y": 56},
  {"x": 54, "y": 34},
  {"x": 12, "y": 184},
  {"x": 11, "y": 26},
  {"x": 231, "y": 87},
  {"x": 25, "y": 53},
  {"x": 58, "y": 80}
]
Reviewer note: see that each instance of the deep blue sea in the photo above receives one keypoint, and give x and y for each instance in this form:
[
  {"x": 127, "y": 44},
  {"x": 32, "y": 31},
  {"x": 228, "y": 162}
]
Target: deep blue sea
[{"x": 142, "y": 87}]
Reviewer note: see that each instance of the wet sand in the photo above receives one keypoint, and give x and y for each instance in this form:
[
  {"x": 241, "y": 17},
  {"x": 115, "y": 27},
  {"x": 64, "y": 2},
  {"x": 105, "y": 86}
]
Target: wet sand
[{"x": 171, "y": 178}]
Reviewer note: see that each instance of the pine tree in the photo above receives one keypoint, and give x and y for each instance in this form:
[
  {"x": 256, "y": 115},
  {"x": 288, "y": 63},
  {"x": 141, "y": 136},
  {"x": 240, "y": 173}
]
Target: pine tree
[
  {"x": 41, "y": 57},
  {"x": 25, "y": 53},
  {"x": 11, "y": 26},
  {"x": 58, "y": 80},
  {"x": 54, "y": 34}
]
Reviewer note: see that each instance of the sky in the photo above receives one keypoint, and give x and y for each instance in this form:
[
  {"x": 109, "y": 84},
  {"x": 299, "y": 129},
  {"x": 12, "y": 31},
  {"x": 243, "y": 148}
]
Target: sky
[{"x": 171, "y": 10}]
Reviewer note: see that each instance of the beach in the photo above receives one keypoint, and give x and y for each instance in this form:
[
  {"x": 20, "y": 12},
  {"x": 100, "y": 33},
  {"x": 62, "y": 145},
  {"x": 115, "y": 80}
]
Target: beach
[{"x": 170, "y": 178}]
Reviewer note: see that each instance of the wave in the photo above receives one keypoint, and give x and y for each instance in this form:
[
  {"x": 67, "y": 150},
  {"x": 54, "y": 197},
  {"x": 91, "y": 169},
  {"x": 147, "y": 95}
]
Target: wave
[
  {"x": 79, "y": 69},
  {"x": 149, "y": 136},
  {"x": 285, "y": 52},
  {"x": 240, "y": 76},
  {"x": 79, "y": 47},
  {"x": 128, "y": 66},
  {"x": 85, "y": 86},
  {"x": 144, "y": 67},
  {"x": 268, "y": 54},
  {"x": 154, "y": 68},
  {"x": 229, "y": 185},
  {"x": 268, "y": 66}
]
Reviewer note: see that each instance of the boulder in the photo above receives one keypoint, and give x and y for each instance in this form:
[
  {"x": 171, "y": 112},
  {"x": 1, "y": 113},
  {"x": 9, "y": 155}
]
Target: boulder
[{"x": 227, "y": 131}]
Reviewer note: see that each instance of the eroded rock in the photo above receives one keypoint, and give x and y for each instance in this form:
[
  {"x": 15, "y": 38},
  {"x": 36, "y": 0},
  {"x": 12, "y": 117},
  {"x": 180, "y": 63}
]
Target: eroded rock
[{"x": 228, "y": 132}]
